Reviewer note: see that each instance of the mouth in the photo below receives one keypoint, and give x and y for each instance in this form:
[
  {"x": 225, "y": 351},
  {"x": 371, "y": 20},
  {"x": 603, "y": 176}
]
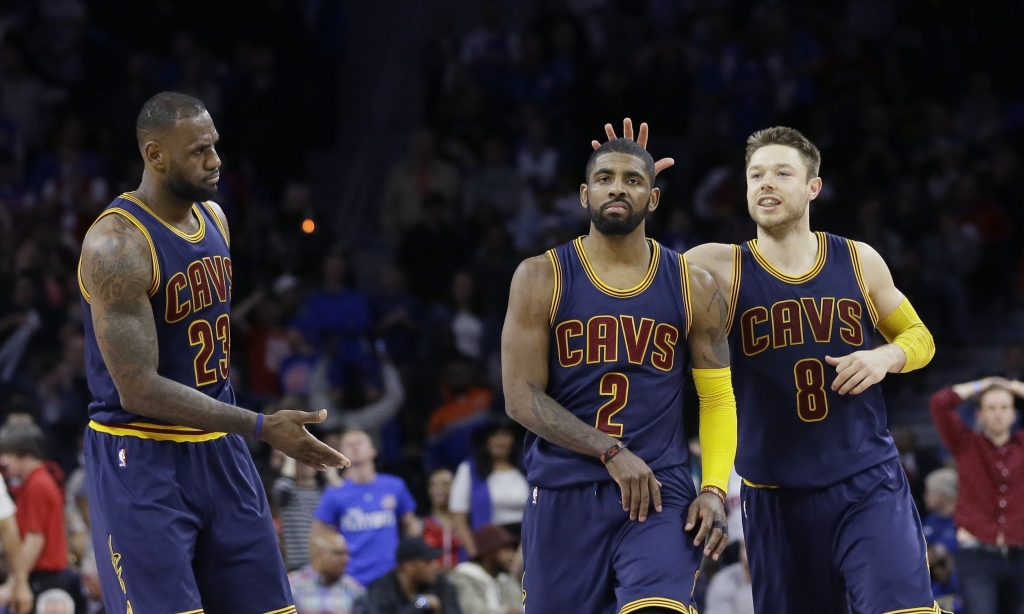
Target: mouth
[
  {"x": 769, "y": 202},
  {"x": 618, "y": 206},
  {"x": 212, "y": 180}
]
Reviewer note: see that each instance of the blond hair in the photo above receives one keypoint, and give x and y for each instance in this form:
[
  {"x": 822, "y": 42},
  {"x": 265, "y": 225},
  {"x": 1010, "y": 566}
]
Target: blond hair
[{"x": 789, "y": 137}]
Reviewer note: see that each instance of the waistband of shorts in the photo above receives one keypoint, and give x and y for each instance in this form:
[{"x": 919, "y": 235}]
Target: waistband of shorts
[{"x": 158, "y": 432}]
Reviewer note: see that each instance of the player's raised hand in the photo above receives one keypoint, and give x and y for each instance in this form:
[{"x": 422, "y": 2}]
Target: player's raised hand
[
  {"x": 639, "y": 487},
  {"x": 857, "y": 372},
  {"x": 286, "y": 431},
  {"x": 714, "y": 531},
  {"x": 641, "y": 140}
]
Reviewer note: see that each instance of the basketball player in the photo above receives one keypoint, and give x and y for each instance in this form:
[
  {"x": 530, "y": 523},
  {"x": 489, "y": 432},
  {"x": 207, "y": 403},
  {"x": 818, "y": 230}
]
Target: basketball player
[
  {"x": 178, "y": 511},
  {"x": 828, "y": 516},
  {"x": 592, "y": 365}
]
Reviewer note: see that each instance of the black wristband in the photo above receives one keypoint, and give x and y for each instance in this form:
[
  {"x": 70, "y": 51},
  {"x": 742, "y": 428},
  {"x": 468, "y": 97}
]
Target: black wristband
[{"x": 612, "y": 451}]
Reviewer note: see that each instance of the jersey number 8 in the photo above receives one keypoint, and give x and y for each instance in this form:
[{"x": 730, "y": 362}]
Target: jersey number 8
[{"x": 811, "y": 400}]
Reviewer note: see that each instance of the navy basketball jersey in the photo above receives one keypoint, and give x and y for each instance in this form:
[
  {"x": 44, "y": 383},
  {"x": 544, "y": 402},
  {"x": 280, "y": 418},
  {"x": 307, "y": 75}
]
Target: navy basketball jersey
[
  {"x": 794, "y": 431},
  {"x": 191, "y": 299},
  {"x": 616, "y": 362}
]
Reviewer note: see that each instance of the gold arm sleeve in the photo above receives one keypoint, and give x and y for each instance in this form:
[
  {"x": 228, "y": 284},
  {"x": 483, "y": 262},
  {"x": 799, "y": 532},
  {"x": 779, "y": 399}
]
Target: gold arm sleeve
[
  {"x": 904, "y": 329},
  {"x": 717, "y": 425}
]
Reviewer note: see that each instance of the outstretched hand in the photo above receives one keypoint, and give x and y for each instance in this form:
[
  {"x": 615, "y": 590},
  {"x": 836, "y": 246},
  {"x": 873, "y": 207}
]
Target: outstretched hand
[
  {"x": 710, "y": 511},
  {"x": 286, "y": 431},
  {"x": 641, "y": 140}
]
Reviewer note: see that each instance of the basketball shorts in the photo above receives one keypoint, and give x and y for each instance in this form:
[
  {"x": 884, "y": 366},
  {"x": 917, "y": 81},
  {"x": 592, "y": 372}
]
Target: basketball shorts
[
  {"x": 584, "y": 555},
  {"x": 856, "y": 545},
  {"x": 182, "y": 527}
]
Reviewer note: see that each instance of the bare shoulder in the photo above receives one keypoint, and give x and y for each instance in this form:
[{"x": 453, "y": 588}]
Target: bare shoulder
[
  {"x": 715, "y": 258},
  {"x": 116, "y": 260},
  {"x": 872, "y": 263},
  {"x": 219, "y": 212},
  {"x": 534, "y": 280},
  {"x": 702, "y": 282}
]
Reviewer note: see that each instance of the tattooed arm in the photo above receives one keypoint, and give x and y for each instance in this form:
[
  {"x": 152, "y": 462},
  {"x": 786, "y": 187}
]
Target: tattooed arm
[
  {"x": 709, "y": 341},
  {"x": 524, "y": 371},
  {"x": 117, "y": 270}
]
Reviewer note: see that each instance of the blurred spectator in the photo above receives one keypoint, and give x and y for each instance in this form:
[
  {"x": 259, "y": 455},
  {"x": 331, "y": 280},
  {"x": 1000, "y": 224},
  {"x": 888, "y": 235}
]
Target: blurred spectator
[
  {"x": 40, "y": 510},
  {"x": 26, "y": 99},
  {"x": 411, "y": 180},
  {"x": 940, "y": 494},
  {"x": 496, "y": 186},
  {"x": 367, "y": 509},
  {"x": 296, "y": 370},
  {"x": 944, "y": 584},
  {"x": 55, "y": 601},
  {"x": 916, "y": 461},
  {"x": 15, "y": 590},
  {"x": 439, "y": 527},
  {"x": 729, "y": 591},
  {"x": 336, "y": 320},
  {"x": 537, "y": 162},
  {"x": 462, "y": 317},
  {"x": 259, "y": 319},
  {"x": 484, "y": 585},
  {"x": 322, "y": 587},
  {"x": 490, "y": 487},
  {"x": 91, "y": 588},
  {"x": 297, "y": 495},
  {"x": 398, "y": 316},
  {"x": 465, "y": 409},
  {"x": 415, "y": 585},
  {"x": 990, "y": 509},
  {"x": 431, "y": 251}
]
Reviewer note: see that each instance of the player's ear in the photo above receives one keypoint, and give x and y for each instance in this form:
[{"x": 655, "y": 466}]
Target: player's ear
[
  {"x": 655, "y": 199},
  {"x": 584, "y": 196},
  {"x": 814, "y": 188},
  {"x": 154, "y": 154}
]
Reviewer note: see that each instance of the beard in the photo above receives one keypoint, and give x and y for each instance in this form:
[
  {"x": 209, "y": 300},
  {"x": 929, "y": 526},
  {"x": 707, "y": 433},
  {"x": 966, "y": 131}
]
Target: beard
[
  {"x": 182, "y": 188},
  {"x": 618, "y": 226}
]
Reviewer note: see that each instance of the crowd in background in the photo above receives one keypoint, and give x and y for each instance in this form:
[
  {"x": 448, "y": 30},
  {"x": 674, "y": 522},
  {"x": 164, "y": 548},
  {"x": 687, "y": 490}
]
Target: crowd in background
[{"x": 920, "y": 140}]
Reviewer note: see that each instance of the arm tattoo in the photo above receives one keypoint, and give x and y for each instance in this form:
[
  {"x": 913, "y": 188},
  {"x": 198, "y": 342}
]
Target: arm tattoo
[
  {"x": 717, "y": 334},
  {"x": 557, "y": 425},
  {"x": 115, "y": 269}
]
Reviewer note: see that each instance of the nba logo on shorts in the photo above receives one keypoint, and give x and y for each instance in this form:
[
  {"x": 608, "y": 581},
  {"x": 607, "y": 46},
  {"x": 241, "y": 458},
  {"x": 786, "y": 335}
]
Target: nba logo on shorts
[{"x": 122, "y": 458}]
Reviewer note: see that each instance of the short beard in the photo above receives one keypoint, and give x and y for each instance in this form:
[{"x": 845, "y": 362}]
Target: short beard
[
  {"x": 182, "y": 188},
  {"x": 617, "y": 227}
]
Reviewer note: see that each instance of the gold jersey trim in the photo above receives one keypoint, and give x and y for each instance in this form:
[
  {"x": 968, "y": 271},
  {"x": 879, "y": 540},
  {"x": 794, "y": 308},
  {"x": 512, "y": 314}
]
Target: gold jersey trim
[
  {"x": 195, "y": 237},
  {"x": 734, "y": 289},
  {"x": 684, "y": 275},
  {"x": 752, "y": 485},
  {"x": 220, "y": 224},
  {"x": 159, "y": 432},
  {"x": 556, "y": 291},
  {"x": 819, "y": 262},
  {"x": 652, "y": 271},
  {"x": 934, "y": 609},
  {"x": 154, "y": 286},
  {"x": 289, "y": 610},
  {"x": 855, "y": 258}
]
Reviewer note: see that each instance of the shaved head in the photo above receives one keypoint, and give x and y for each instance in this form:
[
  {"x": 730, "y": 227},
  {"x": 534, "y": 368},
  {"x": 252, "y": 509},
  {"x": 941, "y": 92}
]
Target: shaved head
[{"x": 163, "y": 111}]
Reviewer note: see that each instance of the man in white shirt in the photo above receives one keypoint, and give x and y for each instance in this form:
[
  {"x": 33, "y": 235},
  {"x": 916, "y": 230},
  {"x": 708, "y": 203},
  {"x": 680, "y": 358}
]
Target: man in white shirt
[
  {"x": 484, "y": 584},
  {"x": 729, "y": 591}
]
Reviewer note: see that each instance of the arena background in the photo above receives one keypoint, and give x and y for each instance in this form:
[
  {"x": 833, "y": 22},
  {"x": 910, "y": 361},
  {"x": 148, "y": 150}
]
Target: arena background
[{"x": 416, "y": 151}]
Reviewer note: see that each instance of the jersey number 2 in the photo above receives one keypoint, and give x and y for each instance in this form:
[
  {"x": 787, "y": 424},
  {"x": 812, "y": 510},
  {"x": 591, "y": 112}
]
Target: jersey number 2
[
  {"x": 616, "y": 386},
  {"x": 206, "y": 336},
  {"x": 811, "y": 400}
]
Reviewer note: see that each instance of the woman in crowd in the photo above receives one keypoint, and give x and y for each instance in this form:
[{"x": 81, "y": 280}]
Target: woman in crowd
[
  {"x": 489, "y": 488},
  {"x": 439, "y": 528}
]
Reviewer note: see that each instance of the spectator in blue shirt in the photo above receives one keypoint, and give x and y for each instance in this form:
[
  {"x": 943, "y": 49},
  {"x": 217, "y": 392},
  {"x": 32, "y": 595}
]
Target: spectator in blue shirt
[
  {"x": 940, "y": 493},
  {"x": 367, "y": 509}
]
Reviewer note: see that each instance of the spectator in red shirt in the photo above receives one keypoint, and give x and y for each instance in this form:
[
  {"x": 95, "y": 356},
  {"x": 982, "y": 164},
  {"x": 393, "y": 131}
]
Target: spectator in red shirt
[
  {"x": 439, "y": 527},
  {"x": 40, "y": 512},
  {"x": 990, "y": 509}
]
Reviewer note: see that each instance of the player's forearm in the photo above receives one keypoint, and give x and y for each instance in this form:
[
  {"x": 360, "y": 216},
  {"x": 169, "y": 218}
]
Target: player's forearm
[
  {"x": 894, "y": 355},
  {"x": 11, "y": 541},
  {"x": 162, "y": 399},
  {"x": 548, "y": 419},
  {"x": 31, "y": 549}
]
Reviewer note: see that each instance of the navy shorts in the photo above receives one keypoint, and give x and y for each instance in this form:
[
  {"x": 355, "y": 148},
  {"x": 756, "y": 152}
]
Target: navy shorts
[
  {"x": 856, "y": 545},
  {"x": 584, "y": 555},
  {"x": 182, "y": 527}
]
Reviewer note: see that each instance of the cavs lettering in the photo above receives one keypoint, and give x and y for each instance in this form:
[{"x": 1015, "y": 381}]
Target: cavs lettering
[
  {"x": 191, "y": 298},
  {"x": 614, "y": 362},
  {"x": 782, "y": 328}
]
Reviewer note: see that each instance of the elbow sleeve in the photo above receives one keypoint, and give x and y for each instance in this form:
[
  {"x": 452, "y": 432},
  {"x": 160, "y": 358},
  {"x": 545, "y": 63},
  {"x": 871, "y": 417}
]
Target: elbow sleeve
[
  {"x": 904, "y": 329},
  {"x": 717, "y": 425}
]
